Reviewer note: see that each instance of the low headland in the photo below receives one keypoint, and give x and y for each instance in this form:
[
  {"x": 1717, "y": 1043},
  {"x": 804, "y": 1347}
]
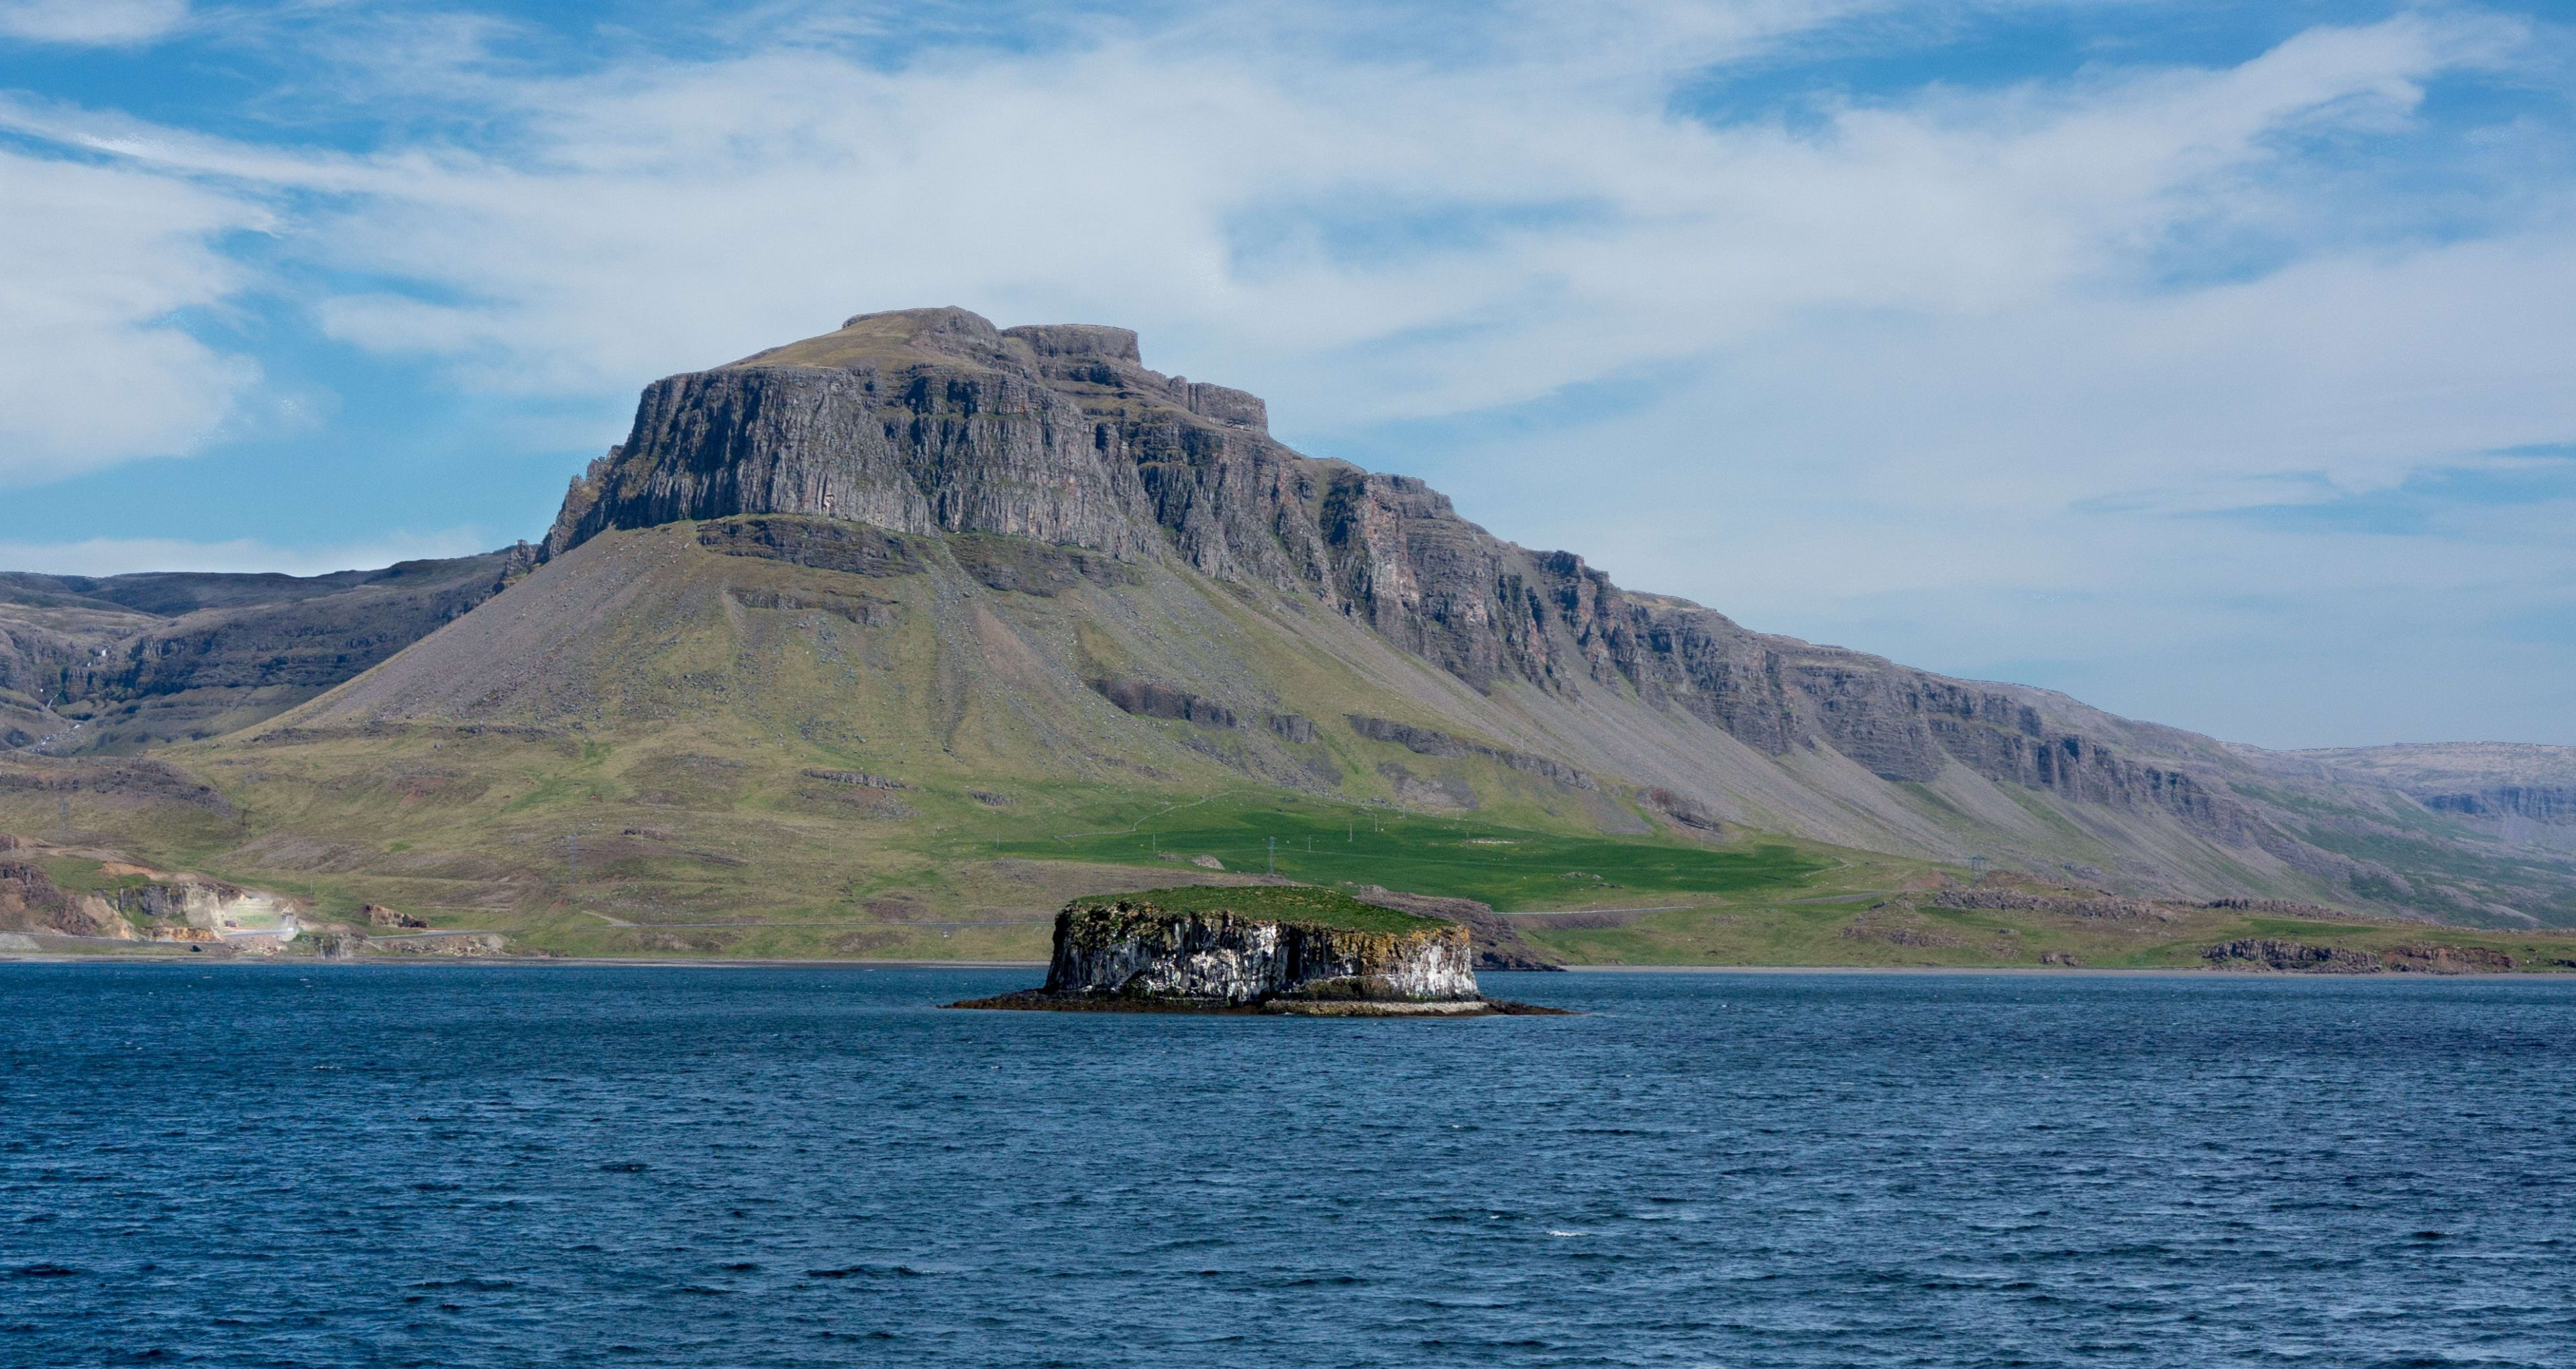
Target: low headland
[{"x": 1280, "y": 950}]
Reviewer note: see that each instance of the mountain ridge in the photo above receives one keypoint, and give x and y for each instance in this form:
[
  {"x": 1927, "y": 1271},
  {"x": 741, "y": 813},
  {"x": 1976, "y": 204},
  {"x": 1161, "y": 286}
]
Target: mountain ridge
[
  {"x": 977, "y": 562},
  {"x": 935, "y": 423},
  {"x": 120, "y": 663}
]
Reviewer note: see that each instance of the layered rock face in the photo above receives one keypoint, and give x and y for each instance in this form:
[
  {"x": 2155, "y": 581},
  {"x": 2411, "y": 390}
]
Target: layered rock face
[
  {"x": 30, "y": 901},
  {"x": 1047, "y": 463},
  {"x": 1139, "y": 951},
  {"x": 934, "y": 420},
  {"x": 2479, "y": 780}
]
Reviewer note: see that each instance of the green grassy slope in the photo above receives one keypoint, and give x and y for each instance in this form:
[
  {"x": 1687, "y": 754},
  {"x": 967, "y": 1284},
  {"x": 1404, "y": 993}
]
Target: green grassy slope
[
  {"x": 654, "y": 747},
  {"x": 1322, "y": 842},
  {"x": 723, "y": 754}
]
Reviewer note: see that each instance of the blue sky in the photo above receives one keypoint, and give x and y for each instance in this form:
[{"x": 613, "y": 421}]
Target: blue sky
[{"x": 2214, "y": 363}]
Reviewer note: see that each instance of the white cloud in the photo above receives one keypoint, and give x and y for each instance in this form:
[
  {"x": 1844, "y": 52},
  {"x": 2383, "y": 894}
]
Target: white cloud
[
  {"x": 124, "y": 556},
  {"x": 91, "y": 21},
  {"x": 92, "y": 369},
  {"x": 662, "y": 217},
  {"x": 1949, "y": 366}
]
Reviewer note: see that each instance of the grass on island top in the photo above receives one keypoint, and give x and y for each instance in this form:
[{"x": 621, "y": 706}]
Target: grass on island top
[{"x": 1271, "y": 903}]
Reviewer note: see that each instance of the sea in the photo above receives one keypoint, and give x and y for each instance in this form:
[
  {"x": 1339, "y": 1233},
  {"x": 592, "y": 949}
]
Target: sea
[{"x": 510, "y": 1165}]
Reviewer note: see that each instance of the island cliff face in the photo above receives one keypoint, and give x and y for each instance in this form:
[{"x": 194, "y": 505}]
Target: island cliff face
[{"x": 1137, "y": 950}]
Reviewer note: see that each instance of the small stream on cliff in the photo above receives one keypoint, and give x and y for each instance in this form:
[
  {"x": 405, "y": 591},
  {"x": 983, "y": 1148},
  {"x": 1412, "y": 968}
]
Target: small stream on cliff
[{"x": 487, "y": 1165}]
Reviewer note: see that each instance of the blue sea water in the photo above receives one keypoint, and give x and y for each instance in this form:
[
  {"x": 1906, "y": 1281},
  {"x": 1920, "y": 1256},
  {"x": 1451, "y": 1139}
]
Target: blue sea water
[{"x": 473, "y": 1165}]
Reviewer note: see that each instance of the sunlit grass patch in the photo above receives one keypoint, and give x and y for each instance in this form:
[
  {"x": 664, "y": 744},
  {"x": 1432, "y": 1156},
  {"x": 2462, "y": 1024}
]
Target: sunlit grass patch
[{"x": 1322, "y": 843}]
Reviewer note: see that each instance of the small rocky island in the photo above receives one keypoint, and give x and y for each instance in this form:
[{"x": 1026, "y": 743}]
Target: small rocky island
[{"x": 1261, "y": 949}]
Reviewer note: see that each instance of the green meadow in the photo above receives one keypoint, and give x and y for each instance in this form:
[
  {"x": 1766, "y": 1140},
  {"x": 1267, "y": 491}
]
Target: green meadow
[{"x": 1512, "y": 868}]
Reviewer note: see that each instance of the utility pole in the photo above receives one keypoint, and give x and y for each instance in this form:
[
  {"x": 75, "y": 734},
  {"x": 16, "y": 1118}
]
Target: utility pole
[{"x": 1274, "y": 855}]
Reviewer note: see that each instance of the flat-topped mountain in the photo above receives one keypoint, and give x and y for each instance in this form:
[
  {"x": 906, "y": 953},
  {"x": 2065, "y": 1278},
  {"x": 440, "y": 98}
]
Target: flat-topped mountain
[{"x": 1014, "y": 581}]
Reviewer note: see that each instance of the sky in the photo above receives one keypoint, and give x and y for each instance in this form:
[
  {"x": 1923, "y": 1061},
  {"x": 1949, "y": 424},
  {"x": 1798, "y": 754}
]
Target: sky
[{"x": 2214, "y": 363}]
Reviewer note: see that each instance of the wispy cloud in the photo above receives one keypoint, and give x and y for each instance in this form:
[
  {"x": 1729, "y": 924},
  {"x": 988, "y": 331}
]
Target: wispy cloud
[
  {"x": 91, "y": 21},
  {"x": 1958, "y": 371},
  {"x": 93, "y": 367}
]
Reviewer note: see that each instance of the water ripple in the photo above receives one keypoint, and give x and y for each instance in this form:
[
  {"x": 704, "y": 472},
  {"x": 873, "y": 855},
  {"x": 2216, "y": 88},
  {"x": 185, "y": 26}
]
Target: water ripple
[{"x": 491, "y": 1165}]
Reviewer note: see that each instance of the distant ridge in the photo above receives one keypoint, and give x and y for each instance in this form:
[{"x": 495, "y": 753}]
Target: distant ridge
[{"x": 123, "y": 662}]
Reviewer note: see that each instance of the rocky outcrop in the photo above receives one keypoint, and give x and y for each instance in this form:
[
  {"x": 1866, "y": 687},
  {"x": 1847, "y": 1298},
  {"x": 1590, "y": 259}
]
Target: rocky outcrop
[
  {"x": 378, "y": 915},
  {"x": 2105, "y": 907},
  {"x": 821, "y": 543},
  {"x": 2293, "y": 957},
  {"x": 2553, "y": 803},
  {"x": 110, "y": 782},
  {"x": 2299, "y": 958},
  {"x": 2290, "y": 906},
  {"x": 1423, "y": 741},
  {"x": 459, "y": 944},
  {"x": 1137, "y": 950},
  {"x": 2446, "y": 960},
  {"x": 30, "y": 901},
  {"x": 1146, "y": 699},
  {"x": 857, "y": 778}
]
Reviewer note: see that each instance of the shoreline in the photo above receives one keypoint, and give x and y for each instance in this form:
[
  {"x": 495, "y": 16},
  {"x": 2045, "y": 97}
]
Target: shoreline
[
  {"x": 720, "y": 963},
  {"x": 510, "y": 962}
]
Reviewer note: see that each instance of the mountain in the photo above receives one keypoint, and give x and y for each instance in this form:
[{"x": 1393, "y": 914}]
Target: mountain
[
  {"x": 836, "y": 617},
  {"x": 118, "y": 663}
]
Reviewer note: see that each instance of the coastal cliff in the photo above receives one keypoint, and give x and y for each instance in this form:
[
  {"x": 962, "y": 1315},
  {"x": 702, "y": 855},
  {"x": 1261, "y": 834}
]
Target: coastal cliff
[
  {"x": 1135, "y": 948},
  {"x": 1264, "y": 949}
]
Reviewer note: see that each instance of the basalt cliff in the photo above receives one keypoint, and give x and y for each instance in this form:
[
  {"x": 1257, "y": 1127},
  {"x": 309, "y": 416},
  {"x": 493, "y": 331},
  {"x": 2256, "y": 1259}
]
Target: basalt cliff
[
  {"x": 934, "y": 423},
  {"x": 1296, "y": 951}
]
